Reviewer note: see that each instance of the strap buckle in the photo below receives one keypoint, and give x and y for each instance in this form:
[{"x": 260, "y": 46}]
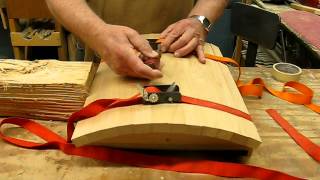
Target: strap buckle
[{"x": 159, "y": 94}]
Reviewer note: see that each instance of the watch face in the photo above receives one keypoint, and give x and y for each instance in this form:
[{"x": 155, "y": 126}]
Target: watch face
[
  {"x": 204, "y": 21},
  {"x": 202, "y": 18}
]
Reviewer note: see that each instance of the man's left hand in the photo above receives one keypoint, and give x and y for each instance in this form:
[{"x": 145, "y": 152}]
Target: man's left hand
[{"x": 183, "y": 37}]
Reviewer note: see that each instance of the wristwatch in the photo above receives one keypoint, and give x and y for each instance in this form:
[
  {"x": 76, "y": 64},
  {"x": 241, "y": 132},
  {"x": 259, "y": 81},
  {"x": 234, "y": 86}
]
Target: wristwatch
[{"x": 203, "y": 20}]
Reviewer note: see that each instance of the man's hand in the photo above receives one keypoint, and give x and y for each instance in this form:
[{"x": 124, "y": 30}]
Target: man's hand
[
  {"x": 119, "y": 47},
  {"x": 183, "y": 37}
]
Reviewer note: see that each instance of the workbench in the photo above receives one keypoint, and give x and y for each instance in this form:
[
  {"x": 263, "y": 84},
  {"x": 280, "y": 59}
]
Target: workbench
[
  {"x": 313, "y": 52},
  {"x": 278, "y": 151}
]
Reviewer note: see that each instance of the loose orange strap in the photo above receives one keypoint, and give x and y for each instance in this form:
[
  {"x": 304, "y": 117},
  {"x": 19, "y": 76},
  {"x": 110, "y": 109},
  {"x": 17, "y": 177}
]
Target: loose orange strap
[
  {"x": 226, "y": 61},
  {"x": 303, "y": 96},
  {"x": 54, "y": 141},
  {"x": 209, "y": 104},
  {"x": 308, "y": 146}
]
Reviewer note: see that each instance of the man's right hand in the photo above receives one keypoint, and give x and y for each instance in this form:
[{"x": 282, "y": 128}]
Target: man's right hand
[{"x": 118, "y": 46}]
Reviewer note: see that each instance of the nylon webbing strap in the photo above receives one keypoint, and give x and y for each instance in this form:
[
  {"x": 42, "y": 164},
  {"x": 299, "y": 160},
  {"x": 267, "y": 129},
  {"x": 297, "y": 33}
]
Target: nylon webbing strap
[
  {"x": 308, "y": 146},
  {"x": 303, "y": 96},
  {"x": 54, "y": 141}
]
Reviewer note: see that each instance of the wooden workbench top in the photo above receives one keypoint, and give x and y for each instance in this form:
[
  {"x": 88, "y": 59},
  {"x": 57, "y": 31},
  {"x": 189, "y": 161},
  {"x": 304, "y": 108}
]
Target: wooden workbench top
[
  {"x": 298, "y": 16},
  {"x": 278, "y": 151}
]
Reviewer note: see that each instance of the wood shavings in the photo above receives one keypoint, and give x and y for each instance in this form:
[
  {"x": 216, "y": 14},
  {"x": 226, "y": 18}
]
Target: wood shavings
[
  {"x": 38, "y": 89},
  {"x": 21, "y": 67}
]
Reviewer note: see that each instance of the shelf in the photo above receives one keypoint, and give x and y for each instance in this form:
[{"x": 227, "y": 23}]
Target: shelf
[{"x": 53, "y": 40}]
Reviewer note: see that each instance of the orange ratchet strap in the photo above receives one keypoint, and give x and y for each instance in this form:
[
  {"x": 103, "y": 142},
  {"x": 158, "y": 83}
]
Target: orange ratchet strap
[
  {"x": 224, "y": 169},
  {"x": 54, "y": 141},
  {"x": 255, "y": 87},
  {"x": 303, "y": 97},
  {"x": 105, "y": 104},
  {"x": 308, "y": 146}
]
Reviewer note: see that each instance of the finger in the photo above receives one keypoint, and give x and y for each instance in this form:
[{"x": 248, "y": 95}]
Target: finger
[
  {"x": 200, "y": 53},
  {"x": 191, "y": 46},
  {"x": 139, "y": 69},
  {"x": 166, "y": 31},
  {"x": 170, "y": 38},
  {"x": 154, "y": 63},
  {"x": 182, "y": 41},
  {"x": 141, "y": 45}
]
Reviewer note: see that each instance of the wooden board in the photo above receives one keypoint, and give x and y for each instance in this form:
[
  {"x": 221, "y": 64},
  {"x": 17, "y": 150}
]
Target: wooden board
[
  {"x": 305, "y": 8},
  {"x": 278, "y": 151},
  {"x": 27, "y": 9},
  {"x": 17, "y": 39},
  {"x": 170, "y": 126},
  {"x": 46, "y": 89},
  {"x": 283, "y": 9},
  {"x": 3, "y": 3},
  {"x": 306, "y": 24}
]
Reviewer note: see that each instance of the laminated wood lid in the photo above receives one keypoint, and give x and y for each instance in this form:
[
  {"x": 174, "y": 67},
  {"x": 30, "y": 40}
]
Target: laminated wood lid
[{"x": 170, "y": 126}]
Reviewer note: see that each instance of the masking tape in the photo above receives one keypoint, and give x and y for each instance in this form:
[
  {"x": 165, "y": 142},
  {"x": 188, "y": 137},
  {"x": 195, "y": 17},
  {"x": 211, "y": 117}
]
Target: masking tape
[{"x": 285, "y": 72}]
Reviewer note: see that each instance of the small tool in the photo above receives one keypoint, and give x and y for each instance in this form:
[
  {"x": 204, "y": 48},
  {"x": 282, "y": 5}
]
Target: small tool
[
  {"x": 154, "y": 63},
  {"x": 172, "y": 87},
  {"x": 166, "y": 94}
]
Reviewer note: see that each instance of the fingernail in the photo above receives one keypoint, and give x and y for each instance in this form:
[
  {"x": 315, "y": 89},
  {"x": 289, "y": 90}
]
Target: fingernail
[
  {"x": 160, "y": 75},
  {"x": 157, "y": 74},
  {"x": 176, "y": 54},
  {"x": 154, "y": 54}
]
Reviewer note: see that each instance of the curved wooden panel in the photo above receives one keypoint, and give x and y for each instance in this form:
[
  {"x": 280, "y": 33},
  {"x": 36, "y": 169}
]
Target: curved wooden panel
[{"x": 170, "y": 126}]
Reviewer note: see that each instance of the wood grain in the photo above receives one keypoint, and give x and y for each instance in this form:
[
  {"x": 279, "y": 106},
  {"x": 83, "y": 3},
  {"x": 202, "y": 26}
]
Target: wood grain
[
  {"x": 278, "y": 151},
  {"x": 27, "y": 9},
  {"x": 17, "y": 39},
  {"x": 170, "y": 126},
  {"x": 47, "y": 89},
  {"x": 3, "y": 3}
]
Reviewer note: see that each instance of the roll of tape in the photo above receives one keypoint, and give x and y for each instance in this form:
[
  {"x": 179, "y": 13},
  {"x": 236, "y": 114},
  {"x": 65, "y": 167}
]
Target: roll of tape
[{"x": 285, "y": 72}]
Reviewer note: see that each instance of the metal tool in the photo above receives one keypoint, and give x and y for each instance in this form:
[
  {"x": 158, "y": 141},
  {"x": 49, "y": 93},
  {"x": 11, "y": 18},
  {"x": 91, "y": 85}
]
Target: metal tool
[
  {"x": 155, "y": 45},
  {"x": 172, "y": 87},
  {"x": 154, "y": 63},
  {"x": 166, "y": 94}
]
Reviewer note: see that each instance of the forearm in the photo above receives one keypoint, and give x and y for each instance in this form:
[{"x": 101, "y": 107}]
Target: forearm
[
  {"x": 212, "y": 9},
  {"x": 78, "y": 18}
]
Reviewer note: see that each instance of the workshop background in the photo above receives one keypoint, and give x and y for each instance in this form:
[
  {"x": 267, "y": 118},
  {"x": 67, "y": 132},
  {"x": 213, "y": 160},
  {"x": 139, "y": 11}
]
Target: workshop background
[
  {"x": 256, "y": 33},
  {"x": 290, "y": 46}
]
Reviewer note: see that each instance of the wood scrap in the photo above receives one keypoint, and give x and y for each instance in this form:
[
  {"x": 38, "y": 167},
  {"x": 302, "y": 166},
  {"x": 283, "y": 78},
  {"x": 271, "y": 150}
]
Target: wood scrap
[{"x": 44, "y": 89}]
